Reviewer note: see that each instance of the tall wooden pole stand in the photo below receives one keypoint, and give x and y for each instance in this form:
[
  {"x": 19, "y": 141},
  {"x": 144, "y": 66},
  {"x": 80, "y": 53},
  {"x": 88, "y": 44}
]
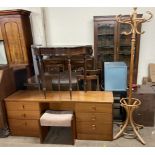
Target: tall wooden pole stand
[{"x": 129, "y": 103}]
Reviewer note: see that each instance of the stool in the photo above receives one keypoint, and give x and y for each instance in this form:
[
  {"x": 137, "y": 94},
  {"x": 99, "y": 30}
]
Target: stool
[{"x": 57, "y": 119}]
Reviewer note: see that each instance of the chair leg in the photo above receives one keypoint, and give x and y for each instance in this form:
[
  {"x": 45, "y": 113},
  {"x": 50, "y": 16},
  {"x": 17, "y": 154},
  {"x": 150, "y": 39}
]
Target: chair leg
[
  {"x": 89, "y": 85},
  {"x": 78, "y": 85},
  {"x": 98, "y": 83},
  {"x": 59, "y": 82}
]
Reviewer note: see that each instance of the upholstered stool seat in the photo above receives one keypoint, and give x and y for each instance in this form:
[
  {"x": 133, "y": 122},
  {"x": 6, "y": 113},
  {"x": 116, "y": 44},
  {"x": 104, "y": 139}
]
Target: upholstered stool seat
[{"x": 56, "y": 118}]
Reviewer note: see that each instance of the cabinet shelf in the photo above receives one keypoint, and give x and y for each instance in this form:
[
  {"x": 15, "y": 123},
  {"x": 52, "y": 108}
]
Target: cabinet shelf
[
  {"x": 125, "y": 45},
  {"x": 125, "y": 54},
  {"x": 110, "y": 46},
  {"x": 103, "y": 53},
  {"x": 105, "y": 34}
]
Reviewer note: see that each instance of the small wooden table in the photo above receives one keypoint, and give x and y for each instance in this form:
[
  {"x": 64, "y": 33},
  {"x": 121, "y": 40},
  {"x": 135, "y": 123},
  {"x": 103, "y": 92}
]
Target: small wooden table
[{"x": 93, "y": 112}]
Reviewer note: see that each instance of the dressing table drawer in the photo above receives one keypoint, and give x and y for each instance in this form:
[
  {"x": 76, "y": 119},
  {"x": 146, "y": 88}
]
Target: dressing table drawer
[
  {"x": 23, "y": 114},
  {"x": 93, "y": 107},
  {"x": 96, "y": 128},
  {"x": 94, "y": 117},
  {"x": 84, "y": 136},
  {"x": 24, "y": 127},
  {"x": 15, "y": 106}
]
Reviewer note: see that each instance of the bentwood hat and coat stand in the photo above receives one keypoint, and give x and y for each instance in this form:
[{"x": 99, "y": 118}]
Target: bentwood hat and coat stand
[{"x": 129, "y": 103}]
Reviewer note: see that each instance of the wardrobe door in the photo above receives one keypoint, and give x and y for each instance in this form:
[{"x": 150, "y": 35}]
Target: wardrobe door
[{"x": 14, "y": 41}]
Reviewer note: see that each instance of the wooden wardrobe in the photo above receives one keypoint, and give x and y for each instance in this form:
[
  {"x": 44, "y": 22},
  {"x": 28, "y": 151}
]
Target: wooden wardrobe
[{"x": 15, "y": 31}]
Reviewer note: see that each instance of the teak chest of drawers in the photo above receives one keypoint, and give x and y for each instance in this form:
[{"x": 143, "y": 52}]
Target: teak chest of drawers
[
  {"x": 23, "y": 118},
  {"x": 94, "y": 121},
  {"x": 93, "y": 112}
]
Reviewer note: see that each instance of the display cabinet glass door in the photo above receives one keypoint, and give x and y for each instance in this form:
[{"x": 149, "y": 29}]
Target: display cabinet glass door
[
  {"x": 111, "y": 45},
  {"x": 105, "y": 42},
  {"x": 124, "y": 45}
]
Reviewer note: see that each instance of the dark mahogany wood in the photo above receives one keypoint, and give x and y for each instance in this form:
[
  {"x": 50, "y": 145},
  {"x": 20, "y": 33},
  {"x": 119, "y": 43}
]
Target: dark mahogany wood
[
  {"x": 62, "y": 53},
  {"x": 7, "y": 87},
  {"x": 115, "y": 41}
]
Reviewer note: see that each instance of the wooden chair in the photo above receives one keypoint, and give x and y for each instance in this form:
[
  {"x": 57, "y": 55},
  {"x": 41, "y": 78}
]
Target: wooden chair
[
  {"x": 64, "y": 53},
  {"x": 58, "y": 78},
  {"x": 57, "y": 119},
  {"x": 52, "y": 73},
  {"x": 91, "y": 75},
  {"x": 33, "y": 83}
]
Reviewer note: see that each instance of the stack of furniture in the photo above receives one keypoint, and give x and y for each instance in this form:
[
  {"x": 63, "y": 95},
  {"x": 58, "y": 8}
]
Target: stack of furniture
[{"x": 59, "y": 56}]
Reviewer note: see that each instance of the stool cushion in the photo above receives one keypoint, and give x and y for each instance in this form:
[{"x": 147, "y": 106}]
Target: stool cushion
[{"x": 56, "y": 118}]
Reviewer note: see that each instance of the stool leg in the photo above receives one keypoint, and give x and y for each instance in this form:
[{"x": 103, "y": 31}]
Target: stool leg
[
  {"x": 43, "y": 133},
  {"x": 73, "y": 127}
]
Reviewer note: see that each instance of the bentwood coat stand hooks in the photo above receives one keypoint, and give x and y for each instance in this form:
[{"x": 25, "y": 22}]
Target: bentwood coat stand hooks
[{"x": 130, "y": 104}]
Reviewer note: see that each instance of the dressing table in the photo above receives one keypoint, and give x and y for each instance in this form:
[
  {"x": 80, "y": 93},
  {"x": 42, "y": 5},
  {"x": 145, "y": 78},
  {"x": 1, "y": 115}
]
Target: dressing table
[{"x": 93, "y": 112}]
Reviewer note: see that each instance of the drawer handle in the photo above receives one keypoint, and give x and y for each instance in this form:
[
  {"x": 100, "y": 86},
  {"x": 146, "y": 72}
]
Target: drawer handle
[
  {"x": 93, "y": 126},
  {"x": 93, "y": 118},
  {"x": 23, "y": 106},
  {"x": 94, "y": 108},
  {"x": 24, "y": 115}
]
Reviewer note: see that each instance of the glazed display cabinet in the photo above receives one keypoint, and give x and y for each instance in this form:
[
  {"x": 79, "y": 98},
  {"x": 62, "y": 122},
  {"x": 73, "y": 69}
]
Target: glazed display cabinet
[{"x": 111, "y": 45}]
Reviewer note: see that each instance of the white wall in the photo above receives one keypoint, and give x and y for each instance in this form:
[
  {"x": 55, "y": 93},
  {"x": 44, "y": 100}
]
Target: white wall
[
  {"x": 3, "y": 59},
  {"x": 74, "y": 26}
]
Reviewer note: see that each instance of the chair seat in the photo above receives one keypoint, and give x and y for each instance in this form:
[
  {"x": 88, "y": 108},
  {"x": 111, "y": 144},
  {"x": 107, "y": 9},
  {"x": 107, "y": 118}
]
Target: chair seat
[{"x": 56, "y": 118}]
